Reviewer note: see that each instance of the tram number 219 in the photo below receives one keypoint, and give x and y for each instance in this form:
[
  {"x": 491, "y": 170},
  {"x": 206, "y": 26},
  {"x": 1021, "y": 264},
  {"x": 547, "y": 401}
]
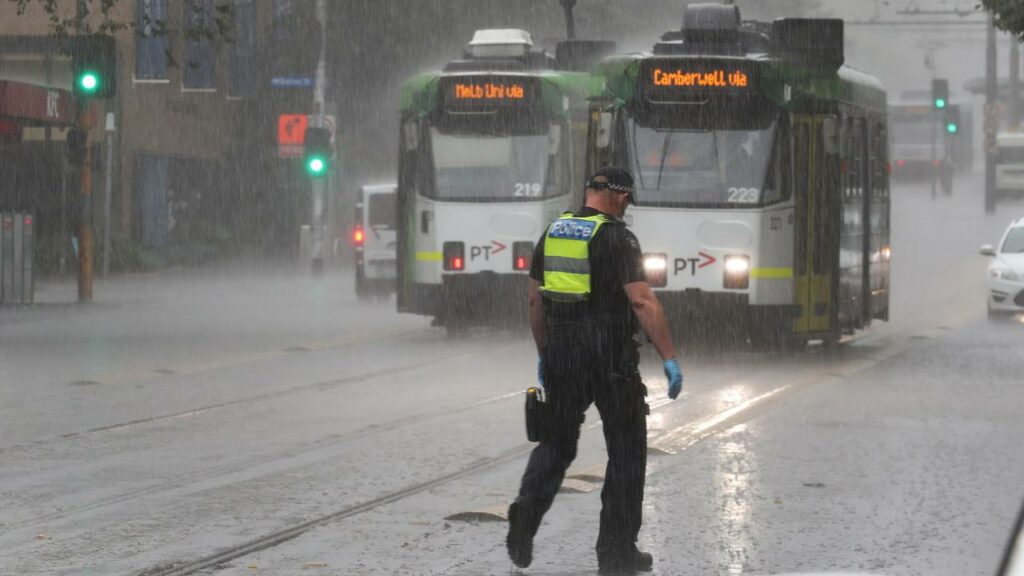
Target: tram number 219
[{"x": 527, "y": 190}]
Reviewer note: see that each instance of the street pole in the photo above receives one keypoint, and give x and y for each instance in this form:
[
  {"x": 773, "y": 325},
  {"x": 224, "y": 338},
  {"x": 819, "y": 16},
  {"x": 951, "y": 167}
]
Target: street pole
[
  {"x": 570, "y": 22},
  {"x": 1014, "y": 84},
  {"x": 934, "y": 168},
  {"x": 85, "y": 195},
  {"x": 85, "y": 182},
  {"x": 991, "y": 116},
  {"x": 108, "y": 192},
  {"x": 319, "y": 184}
]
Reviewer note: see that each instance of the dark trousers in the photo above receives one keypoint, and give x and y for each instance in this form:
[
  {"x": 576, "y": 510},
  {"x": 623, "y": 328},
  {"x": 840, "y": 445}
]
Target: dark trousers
[{"x": 577, "y": 371}]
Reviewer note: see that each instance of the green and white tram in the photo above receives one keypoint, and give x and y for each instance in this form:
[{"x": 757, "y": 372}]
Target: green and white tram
[
  {"x": 490, "y": 149},
  {"x": 762, "y": 175}
]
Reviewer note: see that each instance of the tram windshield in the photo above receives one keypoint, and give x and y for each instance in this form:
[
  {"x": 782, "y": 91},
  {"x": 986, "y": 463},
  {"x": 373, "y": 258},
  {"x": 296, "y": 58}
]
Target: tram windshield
[
  {"x": 702, "y": 168},
  {"x": 481, "y": 168}
]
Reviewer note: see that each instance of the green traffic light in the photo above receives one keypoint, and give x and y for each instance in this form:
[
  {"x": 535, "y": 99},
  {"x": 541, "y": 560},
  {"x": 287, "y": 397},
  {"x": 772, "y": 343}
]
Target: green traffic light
[
  {"x": 316, "y": 165},
  {"x": 89, "y": 82},
  {"x": 951, "y": 128},
  {"x": 940, "y": 103}
]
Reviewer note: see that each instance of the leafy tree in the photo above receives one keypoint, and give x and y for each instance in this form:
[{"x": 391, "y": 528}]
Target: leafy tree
[
  {"x": 1009, "y": 15},
  {"x": 69, "y": 17}
]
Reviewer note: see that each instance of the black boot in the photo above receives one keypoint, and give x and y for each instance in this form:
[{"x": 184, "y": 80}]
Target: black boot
[
  {"x": 520, "y": 539},
  {"x": 629, "y": 563}
]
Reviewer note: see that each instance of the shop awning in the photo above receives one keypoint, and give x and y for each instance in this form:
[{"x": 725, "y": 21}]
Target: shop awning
[{"x": 31, "y": 105}]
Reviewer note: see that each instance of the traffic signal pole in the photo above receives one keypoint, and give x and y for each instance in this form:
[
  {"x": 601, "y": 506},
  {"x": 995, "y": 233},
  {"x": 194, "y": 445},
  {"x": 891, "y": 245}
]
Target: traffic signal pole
[
  {"x": 935, "y": 120},
  {"x": 85, "y": 195},
  {"x": 991, "y": 113},
  {"x": 1014, "y": 84},
  {"x": 319, "y": 185}
]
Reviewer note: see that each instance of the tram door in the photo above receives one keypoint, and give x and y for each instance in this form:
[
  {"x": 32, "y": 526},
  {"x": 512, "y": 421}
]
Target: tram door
[{"x": 815, "y": 228}]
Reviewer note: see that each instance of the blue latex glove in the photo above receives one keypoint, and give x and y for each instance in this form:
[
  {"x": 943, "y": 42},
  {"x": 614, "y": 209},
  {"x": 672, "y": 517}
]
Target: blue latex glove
[
  {"x": 675, "y": 378},
  {"x": 540, "y": 371}
]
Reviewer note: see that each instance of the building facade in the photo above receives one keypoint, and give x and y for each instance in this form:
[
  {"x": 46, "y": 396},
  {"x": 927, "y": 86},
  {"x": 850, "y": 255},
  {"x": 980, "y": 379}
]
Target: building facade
[{"x": 196, "y": 170}]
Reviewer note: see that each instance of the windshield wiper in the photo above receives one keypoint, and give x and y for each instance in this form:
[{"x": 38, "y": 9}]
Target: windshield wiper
[{"x": 664, "y": 154}]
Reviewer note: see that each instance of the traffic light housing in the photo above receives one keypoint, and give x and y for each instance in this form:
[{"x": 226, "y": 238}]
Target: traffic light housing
[
  {"x": 317, "y": 152},
  {"x": 952, "y": 120},
  {"x": 940, "y": 93},
  {"x": 94, "y": 67}
]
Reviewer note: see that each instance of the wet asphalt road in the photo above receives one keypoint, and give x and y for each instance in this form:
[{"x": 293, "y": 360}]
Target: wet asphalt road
[{"x": 181, "y": 416}]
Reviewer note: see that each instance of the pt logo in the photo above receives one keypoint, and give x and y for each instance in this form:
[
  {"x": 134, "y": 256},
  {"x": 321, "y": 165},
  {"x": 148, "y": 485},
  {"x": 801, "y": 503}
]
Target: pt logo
[
  {"x": 693, "y": 264},
  {"x": 486, "y": 251}
]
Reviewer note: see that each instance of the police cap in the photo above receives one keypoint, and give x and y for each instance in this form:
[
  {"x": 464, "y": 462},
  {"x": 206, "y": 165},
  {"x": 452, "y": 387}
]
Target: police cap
[{"x": 618, "y": 180}]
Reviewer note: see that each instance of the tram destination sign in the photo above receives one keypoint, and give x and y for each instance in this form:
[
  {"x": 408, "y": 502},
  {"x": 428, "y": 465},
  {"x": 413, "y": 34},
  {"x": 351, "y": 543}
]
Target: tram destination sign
[
  {"x": 680, "y": 80},
  {"x": 489, "y": 93}
]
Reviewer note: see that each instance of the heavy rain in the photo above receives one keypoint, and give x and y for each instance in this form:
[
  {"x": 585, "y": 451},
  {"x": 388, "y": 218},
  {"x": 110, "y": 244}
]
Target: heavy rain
[{"x": 551, "y": 287}]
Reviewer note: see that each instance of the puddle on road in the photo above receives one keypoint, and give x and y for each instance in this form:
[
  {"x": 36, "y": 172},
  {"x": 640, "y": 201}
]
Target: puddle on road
[{"x": 734, "y": 467}]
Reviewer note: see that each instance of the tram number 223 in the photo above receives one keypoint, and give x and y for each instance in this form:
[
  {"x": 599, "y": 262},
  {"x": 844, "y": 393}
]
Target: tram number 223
[
  {"x": 744, "y": 195},
  {"x": 527, "y": 190}
]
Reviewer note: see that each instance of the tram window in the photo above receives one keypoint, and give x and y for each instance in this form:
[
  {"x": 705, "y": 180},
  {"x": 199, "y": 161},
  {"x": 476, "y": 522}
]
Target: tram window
[
  {"x": 802, "y": 174},
  {"x": 822, "y": 204},
  {"x": 1011, "y": 155},
  {"x": 854, "y": 170},
  {"x": 727, "y": 168},
  {"x": 476, "y": 167},
  {"x": 878, "y": 161},
  {"x": 776, "y": 187}
]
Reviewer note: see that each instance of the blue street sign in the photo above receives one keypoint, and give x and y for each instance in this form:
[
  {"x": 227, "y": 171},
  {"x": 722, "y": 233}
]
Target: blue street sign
[{"x": 292, "y": 82}]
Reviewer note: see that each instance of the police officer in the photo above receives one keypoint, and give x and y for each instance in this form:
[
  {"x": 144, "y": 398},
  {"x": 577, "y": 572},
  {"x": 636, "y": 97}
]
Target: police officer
[{"x": 587, "y": 296}]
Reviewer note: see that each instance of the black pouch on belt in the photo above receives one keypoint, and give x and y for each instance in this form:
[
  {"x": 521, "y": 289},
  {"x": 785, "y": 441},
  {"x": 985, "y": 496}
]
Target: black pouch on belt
[{"x": 535, "y": 404}]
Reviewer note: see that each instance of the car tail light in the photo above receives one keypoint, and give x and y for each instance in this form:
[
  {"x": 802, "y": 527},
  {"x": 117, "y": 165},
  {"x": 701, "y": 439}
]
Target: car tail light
[
  {"x": 358, "y": 236},
  {"x": 901, "y": 163},
  {"x": 656, "y": 269},
  {"x": 454, "y": 256},
  {"x": 522, "y": 253}
]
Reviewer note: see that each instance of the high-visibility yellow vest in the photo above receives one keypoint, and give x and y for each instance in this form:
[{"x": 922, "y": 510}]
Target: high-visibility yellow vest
[{"x": 567, "y": 256}]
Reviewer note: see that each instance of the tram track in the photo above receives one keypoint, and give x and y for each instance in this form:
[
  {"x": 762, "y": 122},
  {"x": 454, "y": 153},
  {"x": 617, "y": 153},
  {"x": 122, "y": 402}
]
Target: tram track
[
  {"x": 694, "y": 433},
  {"x": 275, "y": 538},
  {"x": 248, "y": 400},
  {"x": 368, "y": 431}
]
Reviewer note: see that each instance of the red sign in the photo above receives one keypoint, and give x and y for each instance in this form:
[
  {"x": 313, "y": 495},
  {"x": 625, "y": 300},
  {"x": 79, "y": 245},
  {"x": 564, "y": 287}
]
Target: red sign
[
  {"x": 10, "y": 131},
  {"x": 33, "y": 104},
  {"x": 291, "y": 129}
]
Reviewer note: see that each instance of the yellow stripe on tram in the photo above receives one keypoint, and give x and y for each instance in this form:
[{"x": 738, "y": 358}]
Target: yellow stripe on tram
[
  {"x": 428, "y": 256},
  {"x": 771, "y": 272}
]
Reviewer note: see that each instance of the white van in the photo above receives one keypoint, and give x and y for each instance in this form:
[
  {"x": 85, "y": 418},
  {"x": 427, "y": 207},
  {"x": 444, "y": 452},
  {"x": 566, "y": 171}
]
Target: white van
[
  {"x": 374, "y": 239},
  {"x": 1010, "y": 164}
]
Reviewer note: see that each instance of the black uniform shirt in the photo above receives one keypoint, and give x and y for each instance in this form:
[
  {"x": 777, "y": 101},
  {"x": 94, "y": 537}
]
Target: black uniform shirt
[{"x": 615, "y": 260}]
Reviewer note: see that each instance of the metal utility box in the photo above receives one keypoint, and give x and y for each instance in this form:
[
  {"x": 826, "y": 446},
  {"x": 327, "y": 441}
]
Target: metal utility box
[{"x": 17, "y": 281}]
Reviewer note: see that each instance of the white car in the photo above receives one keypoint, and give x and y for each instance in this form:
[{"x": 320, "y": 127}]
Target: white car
[{"x": 1006, "y": 272}]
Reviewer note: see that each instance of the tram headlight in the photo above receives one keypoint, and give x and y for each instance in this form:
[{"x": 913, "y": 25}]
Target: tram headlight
[
  {"x": 737, "y": 272},
  {"x": 656, "y": 269}
]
